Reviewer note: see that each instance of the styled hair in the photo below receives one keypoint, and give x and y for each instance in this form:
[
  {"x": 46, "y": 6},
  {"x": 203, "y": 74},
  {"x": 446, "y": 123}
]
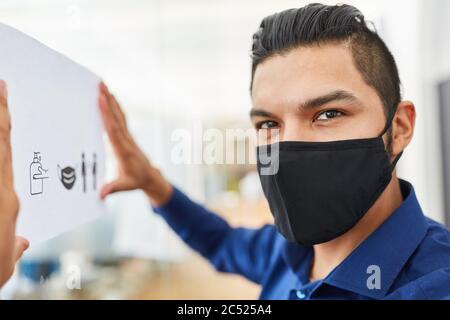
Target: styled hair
[{"x": 317, "y": 24}]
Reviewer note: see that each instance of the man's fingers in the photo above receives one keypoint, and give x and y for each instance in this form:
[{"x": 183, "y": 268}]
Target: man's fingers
[
  {"x": 108, "y": 118},
  {"x": 119, "y": 118},
  {"x": 21, "y": 244},
  {"x": 112, "y": 112},
  {"x": 119, "y": 111},
  {"x": 5, "y": 123},
  {"x": 115, "y": 109},
  {"x": 112, "y": 119},
  {"x": 117, "y": 141},
  {"x": 3, "y": 93},
  {"x": 6, "y": 177},
  {"x": 104, "y": 112},
  {"x": 105, "y": 108}
]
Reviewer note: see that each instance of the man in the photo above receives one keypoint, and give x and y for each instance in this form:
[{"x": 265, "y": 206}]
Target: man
[
  {"x": 326, "y": 95},
  {"x": 11, "y": 247}
]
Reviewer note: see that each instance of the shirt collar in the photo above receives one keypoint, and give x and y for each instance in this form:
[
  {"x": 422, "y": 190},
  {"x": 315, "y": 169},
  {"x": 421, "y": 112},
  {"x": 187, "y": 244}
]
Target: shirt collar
[{"x": 387, "y": 248}]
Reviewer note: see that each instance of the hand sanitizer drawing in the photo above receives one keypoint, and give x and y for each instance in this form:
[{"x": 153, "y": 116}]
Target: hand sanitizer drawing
[{"x": 37, "y": 175}]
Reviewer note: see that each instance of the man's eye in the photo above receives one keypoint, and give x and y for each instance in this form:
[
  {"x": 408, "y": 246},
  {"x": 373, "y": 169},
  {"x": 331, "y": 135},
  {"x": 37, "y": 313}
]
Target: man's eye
[
  {"x": 328, "y": 115},
  {"x": 266, "y": 125}
]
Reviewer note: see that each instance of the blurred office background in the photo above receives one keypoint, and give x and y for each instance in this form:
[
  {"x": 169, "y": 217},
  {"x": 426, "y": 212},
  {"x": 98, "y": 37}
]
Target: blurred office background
[{"x": 175, "y": 64}]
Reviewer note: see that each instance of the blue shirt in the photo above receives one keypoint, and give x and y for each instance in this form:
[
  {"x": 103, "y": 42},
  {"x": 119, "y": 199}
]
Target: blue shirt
[{"x": 407, "y": 257}]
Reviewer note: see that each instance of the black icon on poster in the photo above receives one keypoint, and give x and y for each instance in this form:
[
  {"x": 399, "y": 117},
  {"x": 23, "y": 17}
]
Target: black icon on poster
[
  {"x": 94, "y": 172},
  {"x": 37, "y": 175},
  {"x": 83, "y": 171},
  {"x": 67, "y": 176},
  {"x": 92, "y": 167}
]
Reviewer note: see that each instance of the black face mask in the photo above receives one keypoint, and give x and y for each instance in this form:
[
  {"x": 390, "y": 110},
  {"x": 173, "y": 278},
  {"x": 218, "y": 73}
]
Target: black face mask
[{"x": 317, "y": 191}]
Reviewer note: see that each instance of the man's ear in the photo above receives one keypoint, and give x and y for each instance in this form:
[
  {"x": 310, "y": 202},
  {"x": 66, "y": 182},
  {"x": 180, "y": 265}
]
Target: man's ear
[{"x": 403, "y": 126}]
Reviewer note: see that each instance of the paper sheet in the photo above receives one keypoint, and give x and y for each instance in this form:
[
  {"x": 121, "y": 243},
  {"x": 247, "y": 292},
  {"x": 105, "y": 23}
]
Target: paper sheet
[{"x": 58, "y": 149}]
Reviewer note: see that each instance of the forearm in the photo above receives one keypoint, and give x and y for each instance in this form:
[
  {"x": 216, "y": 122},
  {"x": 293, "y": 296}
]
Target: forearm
[
  {"x": 242, "y": 251},
  {"x": 158, "y": 189},
  {"x": 201, "y": 229}
]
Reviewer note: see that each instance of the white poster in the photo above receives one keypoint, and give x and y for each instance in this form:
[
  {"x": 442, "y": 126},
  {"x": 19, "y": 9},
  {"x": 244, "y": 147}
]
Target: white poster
[{"x": 58, "y": 149}]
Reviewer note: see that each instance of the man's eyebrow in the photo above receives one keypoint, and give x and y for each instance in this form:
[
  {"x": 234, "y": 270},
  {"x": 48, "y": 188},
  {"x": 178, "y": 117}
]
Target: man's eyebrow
[
  {"x": 338, "y": 95},
  {"x": 260, "y": 113}
]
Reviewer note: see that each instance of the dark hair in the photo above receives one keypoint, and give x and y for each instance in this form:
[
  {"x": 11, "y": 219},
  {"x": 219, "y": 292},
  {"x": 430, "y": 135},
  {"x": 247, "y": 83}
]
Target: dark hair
[{"x": 317, "y": 24}]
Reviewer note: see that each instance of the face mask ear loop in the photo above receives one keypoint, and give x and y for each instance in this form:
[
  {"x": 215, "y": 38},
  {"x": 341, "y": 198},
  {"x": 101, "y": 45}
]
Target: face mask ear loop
[
  {"x": 395, "y": 161},
  {"x": 389, "y": 119},
  {"x": 386, "y": 128}
]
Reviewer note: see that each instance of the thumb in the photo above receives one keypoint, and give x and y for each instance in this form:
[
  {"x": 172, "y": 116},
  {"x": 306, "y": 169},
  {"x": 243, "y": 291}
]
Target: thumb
[
  {"x": 112, "y": 187},
  {"x": 3, "y": 91},
  {"x": 21, "y": 244}
]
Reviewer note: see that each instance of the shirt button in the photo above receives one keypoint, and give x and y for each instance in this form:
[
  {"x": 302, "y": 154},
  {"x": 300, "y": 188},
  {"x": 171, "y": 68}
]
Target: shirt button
[{"x": 300, "y": 294}]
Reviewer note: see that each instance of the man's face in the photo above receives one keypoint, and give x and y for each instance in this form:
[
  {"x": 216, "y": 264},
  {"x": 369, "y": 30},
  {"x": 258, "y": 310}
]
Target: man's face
[{"x": 315, "y": 94}]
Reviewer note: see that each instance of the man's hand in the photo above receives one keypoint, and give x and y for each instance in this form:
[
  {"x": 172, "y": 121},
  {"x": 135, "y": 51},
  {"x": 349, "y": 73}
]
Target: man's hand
[
  {"x": 135, "y": 170},
  {"x": 11, "y": 247}
]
